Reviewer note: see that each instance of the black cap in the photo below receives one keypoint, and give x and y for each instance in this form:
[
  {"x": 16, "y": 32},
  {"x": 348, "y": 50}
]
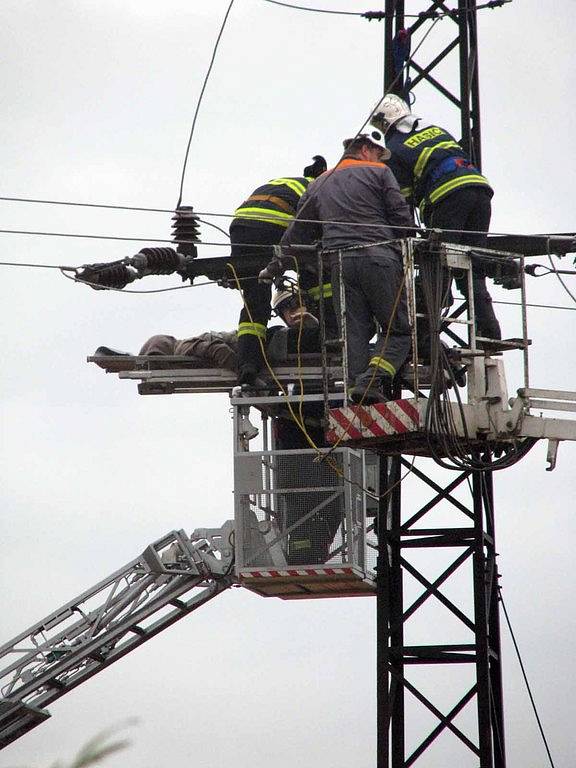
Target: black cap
[{"x": 317, "y": 168}]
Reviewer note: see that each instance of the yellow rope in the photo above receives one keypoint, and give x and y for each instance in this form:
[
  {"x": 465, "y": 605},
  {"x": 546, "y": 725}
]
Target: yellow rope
[{"x": 322, "y": 456}]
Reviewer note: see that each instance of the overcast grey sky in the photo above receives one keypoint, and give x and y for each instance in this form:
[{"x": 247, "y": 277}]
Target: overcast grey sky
[{"x": 98, "y": 99}]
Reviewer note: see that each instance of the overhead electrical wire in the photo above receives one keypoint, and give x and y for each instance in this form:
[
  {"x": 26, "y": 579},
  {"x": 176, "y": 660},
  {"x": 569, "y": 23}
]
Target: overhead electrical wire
[
  {"x": 315, "y": 10},
  {"x": 133, "y": 290},
  {"x": 486, "y": 495},
  {"x": 86, "y": 205},
  {"x": 561, "y": 281},
  {"x": 41, "y": 233},
  {"x": 524, "y": 675},
  {"x": 217, "y": 214},
  {"x": 198, "y": 104},
  {"x": 215, "y": 282},
  {"x": 378, "y": 15}
]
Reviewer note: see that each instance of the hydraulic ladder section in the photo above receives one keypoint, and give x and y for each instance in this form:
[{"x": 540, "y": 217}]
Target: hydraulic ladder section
[{"x": 173, "y": 577}]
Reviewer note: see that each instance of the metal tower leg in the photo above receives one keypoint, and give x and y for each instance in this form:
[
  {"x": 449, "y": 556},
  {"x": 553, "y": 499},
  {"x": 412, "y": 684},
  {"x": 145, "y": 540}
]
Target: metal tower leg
[
  {"x": 463, "y": 549},
  {"x": 464, "y": 94}
]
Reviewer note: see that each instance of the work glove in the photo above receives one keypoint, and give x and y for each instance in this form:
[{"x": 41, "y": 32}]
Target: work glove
[
  {"x": 271, "y": 272},
  {"x": 509, "y": 276},
  {"x": 510, "y": 282},
  {"x": 266, "y": 276}
]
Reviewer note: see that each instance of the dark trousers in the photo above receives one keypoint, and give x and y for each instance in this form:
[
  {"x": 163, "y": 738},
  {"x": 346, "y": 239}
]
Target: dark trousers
[
  {"x": 373, "y": 289},
  {"x": 246, "y": 237},
  {"x": 469, "y": 209}
]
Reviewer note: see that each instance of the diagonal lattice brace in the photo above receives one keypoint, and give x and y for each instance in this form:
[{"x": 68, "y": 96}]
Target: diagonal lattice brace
[
  {"x": 433, "y": 64},
  {"x": 441, "y": 493},
  {"x": 431, "y": 588},
  {"x": 441, "y": 726},
  {"x": 445, "y": 720},
  {"x": 424, "y": 75}
]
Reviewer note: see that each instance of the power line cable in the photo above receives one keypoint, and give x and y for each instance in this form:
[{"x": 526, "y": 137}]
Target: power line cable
[
  {"x": 204, "y": 84},
  {"x": 211, "y": 282},
  {"x": 36, "y": 266},
  {"x": 379, "y": 15},
  {"x": 132, "y": 290},
  {"x": 232, "y": 216},
  {"x": 537, "y": 306},
  {"x": 86, "y": 205},
  {"x": 525, "y": 677},
  {"x": 561, "y": 281},
  {"x": 255, "y": 245},
  {"x": 314, "y": 10}
]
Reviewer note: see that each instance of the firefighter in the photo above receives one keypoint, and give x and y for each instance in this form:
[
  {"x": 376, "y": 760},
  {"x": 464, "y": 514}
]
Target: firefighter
[
  {"x": 361, "y": 190},
  {"x": 309, "y": 541},
  {"x": 258, "y": 225},
  {"x": 435, "y": 174}
]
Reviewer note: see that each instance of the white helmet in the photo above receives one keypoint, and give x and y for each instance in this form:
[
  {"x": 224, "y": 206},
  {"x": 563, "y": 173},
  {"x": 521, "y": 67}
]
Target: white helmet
[
  {"x": 388, "y": 112},
  {"x": 373, "y": 136},
  {"x": 284, "y": 295},
  {"x": 288, "y": 298}
]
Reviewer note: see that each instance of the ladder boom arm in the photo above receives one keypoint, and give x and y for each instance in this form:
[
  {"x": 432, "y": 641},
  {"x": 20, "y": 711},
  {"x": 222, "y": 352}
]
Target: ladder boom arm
[{"x": 173, "y": 576}]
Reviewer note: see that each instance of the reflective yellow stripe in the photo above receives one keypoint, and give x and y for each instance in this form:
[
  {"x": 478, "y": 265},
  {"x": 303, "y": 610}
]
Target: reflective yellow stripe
[
  {"x": 252, "y": 329},
  {"x": 300, "y": 544},
  {"x": 406, "y": 191},
  {"x": 326, "y": 291},
  {"x": 460, "y": 181},
  {"x": 379, "y": 362},
  {"x": 424, "y": 156},
  {"x": 295, "y": 186},
  {"x": 264, "y": 214}
]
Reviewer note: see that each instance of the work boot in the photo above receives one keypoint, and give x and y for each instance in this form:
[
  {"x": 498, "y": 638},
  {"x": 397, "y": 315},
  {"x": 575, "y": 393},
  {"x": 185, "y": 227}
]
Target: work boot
[
  {"x": 247, "y": 375},
  {"x": 487, "y": 325},
  {"x": 362, "y": 393}
]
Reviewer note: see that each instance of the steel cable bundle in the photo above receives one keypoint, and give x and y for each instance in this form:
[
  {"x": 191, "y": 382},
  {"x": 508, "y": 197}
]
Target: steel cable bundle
[{"x": 447, "y": 447}]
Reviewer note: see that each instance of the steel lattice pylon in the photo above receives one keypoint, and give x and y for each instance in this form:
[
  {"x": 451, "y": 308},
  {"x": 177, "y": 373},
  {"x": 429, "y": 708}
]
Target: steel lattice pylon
[
  {"x": 399, "y": 531},
  {"x": 464, "y": 549}
]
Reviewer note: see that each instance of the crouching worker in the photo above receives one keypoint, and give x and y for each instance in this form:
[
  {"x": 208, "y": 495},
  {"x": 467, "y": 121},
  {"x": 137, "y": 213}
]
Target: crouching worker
[{"x": 258, "y": 225}]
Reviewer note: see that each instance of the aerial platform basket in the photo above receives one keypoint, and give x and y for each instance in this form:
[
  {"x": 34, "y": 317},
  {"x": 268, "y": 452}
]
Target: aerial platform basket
[
  {"x": 303, "y": 516},
  {"x": 308, "y": 581}
]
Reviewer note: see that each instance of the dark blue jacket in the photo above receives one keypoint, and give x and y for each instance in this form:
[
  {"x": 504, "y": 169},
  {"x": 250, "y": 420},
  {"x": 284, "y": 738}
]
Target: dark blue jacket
[{"x": 429, "y": 164}]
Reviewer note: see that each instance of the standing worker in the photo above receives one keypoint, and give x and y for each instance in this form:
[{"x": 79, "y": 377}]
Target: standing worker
[
  {"x": 258, "y": 225},
  {"x": 450, "y": 192},
  {"x": 359, "y": 203}
]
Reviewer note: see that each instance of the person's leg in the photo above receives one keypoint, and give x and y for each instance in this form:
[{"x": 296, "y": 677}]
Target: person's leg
[
  {"x": 216, "y": 349},
  {"x": 477, "y": 223},
  {"x": 254, "y": 318},
  {"x": 382, "y": 282},
  {"x": 359, "y": 320},
  {"x": 468, "y": 210}
]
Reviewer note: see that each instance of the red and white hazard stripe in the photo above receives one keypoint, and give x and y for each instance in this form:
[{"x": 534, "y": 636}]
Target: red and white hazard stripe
[
  {"x": 355, "y": 422},
  {"x": 296, "y": 572}
]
